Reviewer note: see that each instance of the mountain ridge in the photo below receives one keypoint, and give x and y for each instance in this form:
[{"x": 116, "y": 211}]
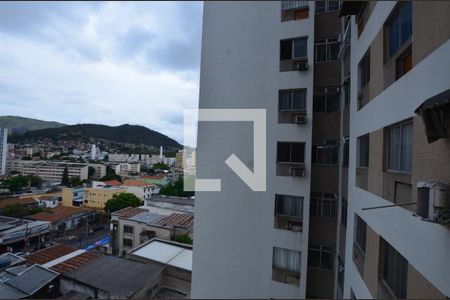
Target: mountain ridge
[{"x": 17, "y": 124}]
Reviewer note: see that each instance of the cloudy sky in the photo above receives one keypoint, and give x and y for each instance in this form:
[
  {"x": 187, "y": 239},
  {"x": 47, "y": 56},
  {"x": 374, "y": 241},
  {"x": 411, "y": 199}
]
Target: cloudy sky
[{"x": 102, "y": 62}]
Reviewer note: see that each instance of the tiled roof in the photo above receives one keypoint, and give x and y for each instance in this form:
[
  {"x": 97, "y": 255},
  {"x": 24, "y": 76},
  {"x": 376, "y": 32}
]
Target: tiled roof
[
  {"x": 76, "y": 262},
  {"x": 48, "y": 254},
  {"x": 183, "y": 220},
  {"x": 112, "y": 182},
  {"x": 153, "y": 176},
  {"x": 136, "y": 183},
  {"x": 58, "y": 213},
  {"x": 129, "y": 212},
  {"x": 21, "y": 201}
]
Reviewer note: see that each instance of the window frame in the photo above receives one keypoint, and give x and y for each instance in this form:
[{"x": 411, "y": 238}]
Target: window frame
[
  {"x": 291, "y": 100},
  {"x": 400, "y": 265},
  {"x": 277, "y": 205},
  {"x": 127, "y": 239},
  {"x": 321, "y": 251},
  {"x": 326, "y": 7},
  {"x": 327, "y": 42},
  {"x": 400, "y": 126},
  {"x": 396, "y": 17},
  {"x": 293, "y": 57},
  {"x": 327, "y": 148},
  {"x": 326, "y": 92},
  {"x": 290, "y": 153},
  {"x": 318, "y": 202},
  {"x": 360, "y": 233},
  {"x": 364, "y": 71},
  {"x": 363, "y": 140},
  {"x": 286, "y": 252},
  {"x": 126, "y": 229}
]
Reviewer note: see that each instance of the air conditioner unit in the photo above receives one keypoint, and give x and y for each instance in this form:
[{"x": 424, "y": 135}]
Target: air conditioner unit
[
  {"x": 297, "y": 171},
  {"x": 299, "y": 119},
  {"x": 301, "y": 65},
  {"x": 433, "y": 201}
]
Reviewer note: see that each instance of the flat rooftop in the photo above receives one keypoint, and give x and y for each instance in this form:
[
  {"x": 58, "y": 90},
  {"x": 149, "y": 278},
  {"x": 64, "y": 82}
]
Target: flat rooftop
[{"x": 168, "y": 253}]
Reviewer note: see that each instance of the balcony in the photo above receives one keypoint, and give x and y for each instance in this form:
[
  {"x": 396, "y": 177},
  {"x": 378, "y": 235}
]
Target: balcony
[
  {"x": 294, "y": 10},
  {"x": 284, "y": 276},
  {"x": 291, "y": 223},
  {"x": 290, "y": 169}
]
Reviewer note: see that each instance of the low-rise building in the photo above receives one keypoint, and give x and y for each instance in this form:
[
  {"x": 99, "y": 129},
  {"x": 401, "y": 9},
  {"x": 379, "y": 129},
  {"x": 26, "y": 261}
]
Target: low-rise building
[
  {"x": 125, "y": 169},
  {"x": 140, "y": 189},
  {"x": 73, "y": 196},
  {"x": 96, "y": 197},
  {"x": 134, "y": 226},
  {"x": 183, "y": 204},
  {"x": 63, "y": 218},
  {"x": 26, "y": 202},
  {"x": 110, "y": 277},
  {"x": 177, "y": 260},
  {"x": 20, "y": 234}
]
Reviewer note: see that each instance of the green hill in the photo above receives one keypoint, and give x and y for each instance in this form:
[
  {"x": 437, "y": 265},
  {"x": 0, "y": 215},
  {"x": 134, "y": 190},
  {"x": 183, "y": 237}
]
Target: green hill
[
  {"x": 132, "y": 134},
  {"x": 20, "y": 124}
]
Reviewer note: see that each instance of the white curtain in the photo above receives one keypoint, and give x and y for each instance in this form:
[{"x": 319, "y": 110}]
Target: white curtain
[{"x": 285, "y": 259}]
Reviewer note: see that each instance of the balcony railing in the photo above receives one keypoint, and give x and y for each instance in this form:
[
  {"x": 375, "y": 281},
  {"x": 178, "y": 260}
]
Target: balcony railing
[{"x": 288, "y": 5}]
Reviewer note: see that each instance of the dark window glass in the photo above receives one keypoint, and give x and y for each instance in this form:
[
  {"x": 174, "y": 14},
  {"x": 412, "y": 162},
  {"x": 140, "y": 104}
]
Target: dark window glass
[
  {"x": 300, "y": 48},
  {"x": 321, "y": 53},
  {"x": 298, "y": 152},
  {"x": 283, "y": 152},
  {"x": 292, "y": 100},
  {"x": 333, "y": 103},
  {"x": 364, "y": 70},
  {"x": 319, "y": 103},
  {"x": 284, "y": 100},
  {"x": 364, "y": 151},
  {"x": 128, "y": 243},
  {"x": 285, "y": 49},
  {"x": 333, "y": 5},
  {"x": 360, "y": 237},
  {"x": 299, "y": 100},
  {"x": 400, "y": 27},
  {"x": 320, "y": 6},
  {"x": 395, "y": 271},
  {"x": 314, "y": 258},
  {"x": 327, "y": 258},
  {"x": 333, "y": 50},
  {"x": 289, "y": 205},
  {"x": 344, "y": 212}
]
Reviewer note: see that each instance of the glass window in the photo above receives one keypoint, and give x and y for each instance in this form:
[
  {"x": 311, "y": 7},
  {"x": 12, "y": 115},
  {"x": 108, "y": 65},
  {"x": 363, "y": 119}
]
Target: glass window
[
  {"x": 360, "y": 234},
  {"x": 321, "y": 257},
  {"x": 323, "y": 205},
  {"x": 326, "y": 153},
  {"x": 300, "y": 48},
  {"x": 289, "y": 205},
  {"x": 292, "y": 100},
  {"x": 285, "y": 49},
  {"x": 286, "y": 260},
  {"x": 127, "y": 243},
  {"x": 128, "y": 229},
  {"x": 320, "y": 6},
  {"x": 327, "y": 50},
  {"x": 400, "y": 27},
  {"x": 364, "y": 70},
  {"x": 400, "y": 147},
  {"x": 364, "y": 146},
  {"x": 395, "y": 271},
  {"x": 326, "y": 100},
  {"x": 344, "y": 212}
]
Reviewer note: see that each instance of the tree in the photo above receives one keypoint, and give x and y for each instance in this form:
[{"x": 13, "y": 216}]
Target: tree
[
  {"x": 160, "y": 166},
  {"x": 120, "y": 201},
  {"x": 111, "y": 176},
  {"x": 175, "y": 189},
  {"x": 19, "y": 182},
  {"x": 18, "y": 211},
  {"x": 185, "y": 239},
  {"x": 91, "y": 171},
  {"x": 65, "y": 177},
  {"x": 75, "y": 181}
]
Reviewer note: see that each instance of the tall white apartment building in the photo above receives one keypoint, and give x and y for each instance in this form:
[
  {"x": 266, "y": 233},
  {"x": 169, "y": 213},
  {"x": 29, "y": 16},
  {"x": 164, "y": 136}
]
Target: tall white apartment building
[
  {"x": 3, "y": 149},
  {"x": 357, "y": 100}
]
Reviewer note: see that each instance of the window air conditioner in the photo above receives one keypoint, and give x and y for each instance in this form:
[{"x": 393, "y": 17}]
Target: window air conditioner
[
  {"x": 299, "y": 119},
  {"x": 301, "y": 65},
  {"x": 297, "y": 171},
  {"x": 433, "y": 201}
]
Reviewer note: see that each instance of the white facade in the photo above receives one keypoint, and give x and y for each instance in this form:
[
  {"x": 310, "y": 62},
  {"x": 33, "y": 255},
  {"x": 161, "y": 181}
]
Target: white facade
[
  {"x": 234, "y": 232},
  {"x": 424, "y": 245},
  {"x": 3, "y": 149}
]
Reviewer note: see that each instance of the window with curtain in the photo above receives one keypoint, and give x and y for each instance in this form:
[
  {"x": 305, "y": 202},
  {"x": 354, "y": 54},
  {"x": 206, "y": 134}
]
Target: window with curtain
[
  {"x": 292, "y": 100},
  {"x": 400, "y": 27},
  {"x": 286, "y": 260},
  {"x": 395, "y": 271},
  {"x": 289, "y": 206},
  {"x": 400, "y": 146}
]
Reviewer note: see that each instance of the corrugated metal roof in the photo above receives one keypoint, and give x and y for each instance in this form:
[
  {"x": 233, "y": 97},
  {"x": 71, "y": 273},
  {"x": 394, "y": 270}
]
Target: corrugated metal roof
[
  {"x": 120, "y": 277},
  {"x": 182, "y": 220},
  {"x": 48, "y": 254},
  {"x": 76, "y": 262},
  {"x": 32, "y": 279},
  {"x": 8, "y": 292},
  {"x": 147, "y": 217},
  {"x": 128, "y": 212}
]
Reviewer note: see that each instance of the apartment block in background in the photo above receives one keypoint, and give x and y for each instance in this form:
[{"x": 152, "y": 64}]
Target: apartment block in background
[{"x": 3, "y": 149}]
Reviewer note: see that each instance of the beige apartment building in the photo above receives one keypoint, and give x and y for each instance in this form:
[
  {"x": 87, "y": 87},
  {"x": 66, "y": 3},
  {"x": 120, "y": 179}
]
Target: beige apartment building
[
  {"x": 357, "y": 100},
  {"x": 96, "y": 197}
]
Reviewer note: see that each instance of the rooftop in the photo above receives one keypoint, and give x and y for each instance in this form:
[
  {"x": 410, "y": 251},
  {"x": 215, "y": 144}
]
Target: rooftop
[
  {"x": 77, "y": 261},
  {"x": 128, "y": 212},
  {"x": 48, "y": 254},
  {"x": 112, "y": 182},
  {"x": 182, "y": 220},
  {"x": 166, "y": 252},
  {"x": 172, "y": 200},
  {"x": 136, "y": 183},
  {"x": 153, "y": 176},
  {"x": 120, "y": 277},
  {"x": 21, "y": 201},
  {"x": 59, "y": 213}
]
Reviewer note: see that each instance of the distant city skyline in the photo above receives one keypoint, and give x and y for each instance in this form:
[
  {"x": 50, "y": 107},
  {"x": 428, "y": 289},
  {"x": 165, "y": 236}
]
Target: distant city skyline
[{"x": 106, "y": 63}]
